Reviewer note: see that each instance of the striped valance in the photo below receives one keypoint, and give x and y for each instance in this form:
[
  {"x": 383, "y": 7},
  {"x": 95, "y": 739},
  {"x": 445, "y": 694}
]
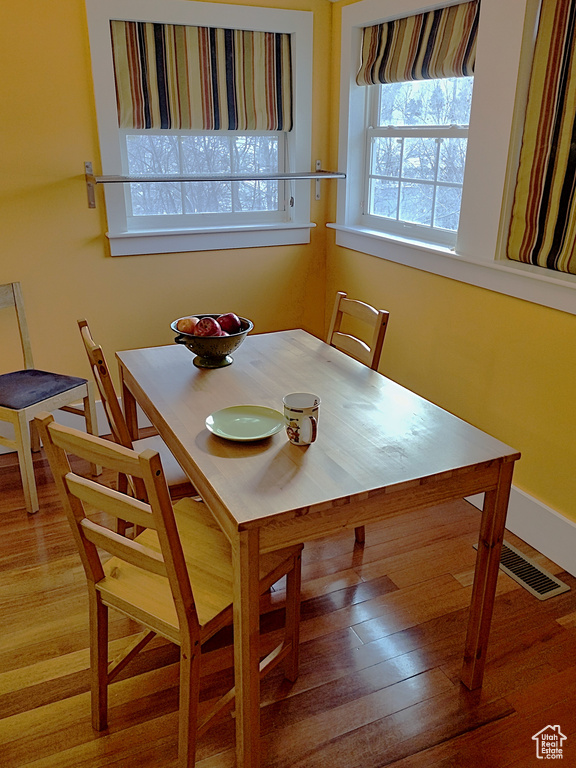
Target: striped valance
[
  {"x": 543, "y": 225},
  {"x": 201, "y": 78},
  {"x": 435, "y": 44}
]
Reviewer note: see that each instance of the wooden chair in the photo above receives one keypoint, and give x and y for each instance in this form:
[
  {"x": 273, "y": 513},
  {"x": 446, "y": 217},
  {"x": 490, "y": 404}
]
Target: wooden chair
[
  {"x": 365, "y": 352},
  {"x": 25, "y": 392},
  {"x": 175, "y": 579},
  {"x": 177, "y": 479}
]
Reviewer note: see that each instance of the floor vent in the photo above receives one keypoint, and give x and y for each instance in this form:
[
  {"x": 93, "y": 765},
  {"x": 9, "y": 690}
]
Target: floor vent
[{"x": 528, "y": 574}]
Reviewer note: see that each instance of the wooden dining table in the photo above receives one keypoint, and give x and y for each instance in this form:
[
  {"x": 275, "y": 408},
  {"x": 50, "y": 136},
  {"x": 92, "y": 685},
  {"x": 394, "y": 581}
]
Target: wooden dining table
[{"x": 381, "y": 451}]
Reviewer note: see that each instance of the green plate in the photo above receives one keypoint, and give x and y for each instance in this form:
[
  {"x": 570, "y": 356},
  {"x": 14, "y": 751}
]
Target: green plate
[{"x": 245, "y": 422}]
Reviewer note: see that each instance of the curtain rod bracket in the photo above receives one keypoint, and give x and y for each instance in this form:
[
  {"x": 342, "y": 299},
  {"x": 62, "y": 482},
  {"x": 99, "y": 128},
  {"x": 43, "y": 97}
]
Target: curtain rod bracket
[
  {"x": 317, "y": 185},
  {"x": 90, "y": 184}
]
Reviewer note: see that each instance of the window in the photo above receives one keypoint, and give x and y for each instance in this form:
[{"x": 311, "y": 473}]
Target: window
[
  {"x": 158, "y": 133},
  {"x": 505, "y": 46},
  {"x": 223, "y": 153},
  {"x": 416, "y": 151}
]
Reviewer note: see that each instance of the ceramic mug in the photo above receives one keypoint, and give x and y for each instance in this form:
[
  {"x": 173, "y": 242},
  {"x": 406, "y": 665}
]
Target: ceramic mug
[{"x": 301, "y": 417}]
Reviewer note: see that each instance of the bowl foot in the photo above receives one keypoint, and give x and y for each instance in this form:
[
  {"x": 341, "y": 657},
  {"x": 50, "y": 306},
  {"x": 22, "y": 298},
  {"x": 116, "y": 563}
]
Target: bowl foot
[{"x": 213, "y": 362}]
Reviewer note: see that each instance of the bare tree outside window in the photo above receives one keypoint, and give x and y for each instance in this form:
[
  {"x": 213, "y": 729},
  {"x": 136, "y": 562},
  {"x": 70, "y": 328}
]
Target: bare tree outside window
[{"x": 204, "y": 155}]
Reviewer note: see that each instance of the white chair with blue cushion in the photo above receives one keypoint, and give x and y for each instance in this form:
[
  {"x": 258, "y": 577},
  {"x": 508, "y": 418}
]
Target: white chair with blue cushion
[{"x": 26, "y": 392}]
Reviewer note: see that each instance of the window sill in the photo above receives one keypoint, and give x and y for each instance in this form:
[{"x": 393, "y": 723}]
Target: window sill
[
  {"x": 522, "y": 281},
  {"x": 207, "y": 239}
]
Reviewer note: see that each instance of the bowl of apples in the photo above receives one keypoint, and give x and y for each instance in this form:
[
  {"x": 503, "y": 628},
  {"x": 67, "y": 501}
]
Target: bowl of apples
[{"x": 212, "y": 338}]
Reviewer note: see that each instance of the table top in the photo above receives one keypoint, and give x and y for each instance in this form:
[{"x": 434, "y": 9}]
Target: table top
[{"x": 372, "y": 433}]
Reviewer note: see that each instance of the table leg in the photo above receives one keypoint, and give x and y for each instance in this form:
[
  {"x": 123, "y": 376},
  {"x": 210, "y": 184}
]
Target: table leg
[
  {"x": 485, "y": 577},
  {"x": 247, "y": 648}
]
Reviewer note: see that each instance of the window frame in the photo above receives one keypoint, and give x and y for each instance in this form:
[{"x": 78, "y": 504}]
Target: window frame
[
  {"x": 227, "y": 232},
  {"x": 505, "y": 47}
]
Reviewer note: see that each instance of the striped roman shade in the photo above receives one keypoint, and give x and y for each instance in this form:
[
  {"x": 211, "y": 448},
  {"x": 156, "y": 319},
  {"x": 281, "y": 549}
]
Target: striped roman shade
[
  {"x": 435, "y": 44},
  {"x": 201, "y": 78},
  {"x": 543, "y": 225}
]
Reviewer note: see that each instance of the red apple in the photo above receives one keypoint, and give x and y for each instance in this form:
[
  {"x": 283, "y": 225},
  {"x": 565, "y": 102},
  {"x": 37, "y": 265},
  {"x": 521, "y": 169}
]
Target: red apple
[
  {"x": 230, "y": 323},
  {"x": 207, "y": 326},
  {"x": 187, "y": 324}
]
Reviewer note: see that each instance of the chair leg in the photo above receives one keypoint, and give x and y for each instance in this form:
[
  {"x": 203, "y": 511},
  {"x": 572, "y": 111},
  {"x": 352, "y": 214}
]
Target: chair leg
[
  {"x": 34, "y": 438},
  {"x": 24, "y": 448},
  {"x": 91, "y": 419},
  {"x": 188, "y": 705},
  {"x": 98, "y": 660},
  {"x": 293, "y": 586},
  {"x": 360, "y": 534}
]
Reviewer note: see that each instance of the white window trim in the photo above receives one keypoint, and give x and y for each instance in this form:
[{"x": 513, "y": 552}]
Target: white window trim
[
  {"x": 296, "y": 23},
  {"x": 505, "y": 45}
]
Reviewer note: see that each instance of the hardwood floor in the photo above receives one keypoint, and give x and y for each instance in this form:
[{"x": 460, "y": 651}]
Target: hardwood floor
[{"x": 382, "y": 640}]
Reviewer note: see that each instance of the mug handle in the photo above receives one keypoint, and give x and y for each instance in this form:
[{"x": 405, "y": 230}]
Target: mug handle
[{"x": 314, "y": 429}]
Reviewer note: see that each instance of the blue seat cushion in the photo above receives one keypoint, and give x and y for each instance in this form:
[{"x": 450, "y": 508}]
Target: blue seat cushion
[{"x": 20, "y": 389}]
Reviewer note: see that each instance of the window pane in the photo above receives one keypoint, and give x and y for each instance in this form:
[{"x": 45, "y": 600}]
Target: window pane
[
  {"x": 206, "y": 155},
  {"x": 416, "y": 203},
  {"x": 255, "y": 154},
  {"x": 419, "y": 160},
  {"x": 150, "y": 155},
  {"x": 257, "y": 196},
  {"x": 426, "y": 102},
  {"x": 452, "y": 160},
  {"x": 207, "y": 196},
  {"x": 156, "y": 199},
  {"x": 447, "y": 213},
  {"x": 384, "y": 198},
  {"x": 386, "y": 152}
]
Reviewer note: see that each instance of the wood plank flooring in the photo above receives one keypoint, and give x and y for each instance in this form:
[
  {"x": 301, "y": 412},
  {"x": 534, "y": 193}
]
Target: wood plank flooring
[{"x": 382, "y": 639}]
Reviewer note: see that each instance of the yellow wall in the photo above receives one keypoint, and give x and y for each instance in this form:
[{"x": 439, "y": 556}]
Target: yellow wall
[
  {"x": 505, "y": 365},
  {"x": 53, "y": 243}
]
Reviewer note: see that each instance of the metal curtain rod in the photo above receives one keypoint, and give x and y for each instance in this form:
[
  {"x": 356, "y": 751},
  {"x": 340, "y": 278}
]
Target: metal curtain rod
[{"x": 317, "y": 175}]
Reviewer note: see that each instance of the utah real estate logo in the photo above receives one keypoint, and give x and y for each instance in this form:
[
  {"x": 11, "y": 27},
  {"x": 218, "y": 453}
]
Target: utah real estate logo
[{"x": 549, "y": 743}]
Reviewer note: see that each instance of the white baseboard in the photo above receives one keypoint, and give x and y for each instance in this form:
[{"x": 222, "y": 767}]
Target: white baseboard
[{"x": 540, "y": 526}]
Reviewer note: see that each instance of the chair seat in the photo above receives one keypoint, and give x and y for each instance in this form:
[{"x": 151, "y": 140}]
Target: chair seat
[
  {"x": 20, "y": 389},
  {"x": 146, "y": 596}
]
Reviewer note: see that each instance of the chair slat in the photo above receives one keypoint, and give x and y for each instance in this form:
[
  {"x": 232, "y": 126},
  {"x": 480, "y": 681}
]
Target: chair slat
[
  {"x": 97, "y": 451},
  {"x": 353, "y": 347},
  {"x": 359, "y": 309},
  {"x": 126, "y": 549},
  {"x": 113, "y": 502}
]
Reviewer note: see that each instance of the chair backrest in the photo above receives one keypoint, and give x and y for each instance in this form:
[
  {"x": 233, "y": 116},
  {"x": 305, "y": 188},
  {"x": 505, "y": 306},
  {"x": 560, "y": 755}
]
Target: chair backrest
[
  {"x": 108, "y": 395},
  {"x": 91, "y": 537},
  {"x": 11, "y": 296},
  {"x": 377, "y": 319}
]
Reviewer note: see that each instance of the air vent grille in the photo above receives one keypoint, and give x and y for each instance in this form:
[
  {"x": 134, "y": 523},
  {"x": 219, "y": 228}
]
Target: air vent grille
[{"x": 528, "y": 574}]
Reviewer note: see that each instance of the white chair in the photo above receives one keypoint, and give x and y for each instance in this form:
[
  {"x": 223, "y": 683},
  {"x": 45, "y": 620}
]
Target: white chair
[{"x": 26, "y": 392}]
